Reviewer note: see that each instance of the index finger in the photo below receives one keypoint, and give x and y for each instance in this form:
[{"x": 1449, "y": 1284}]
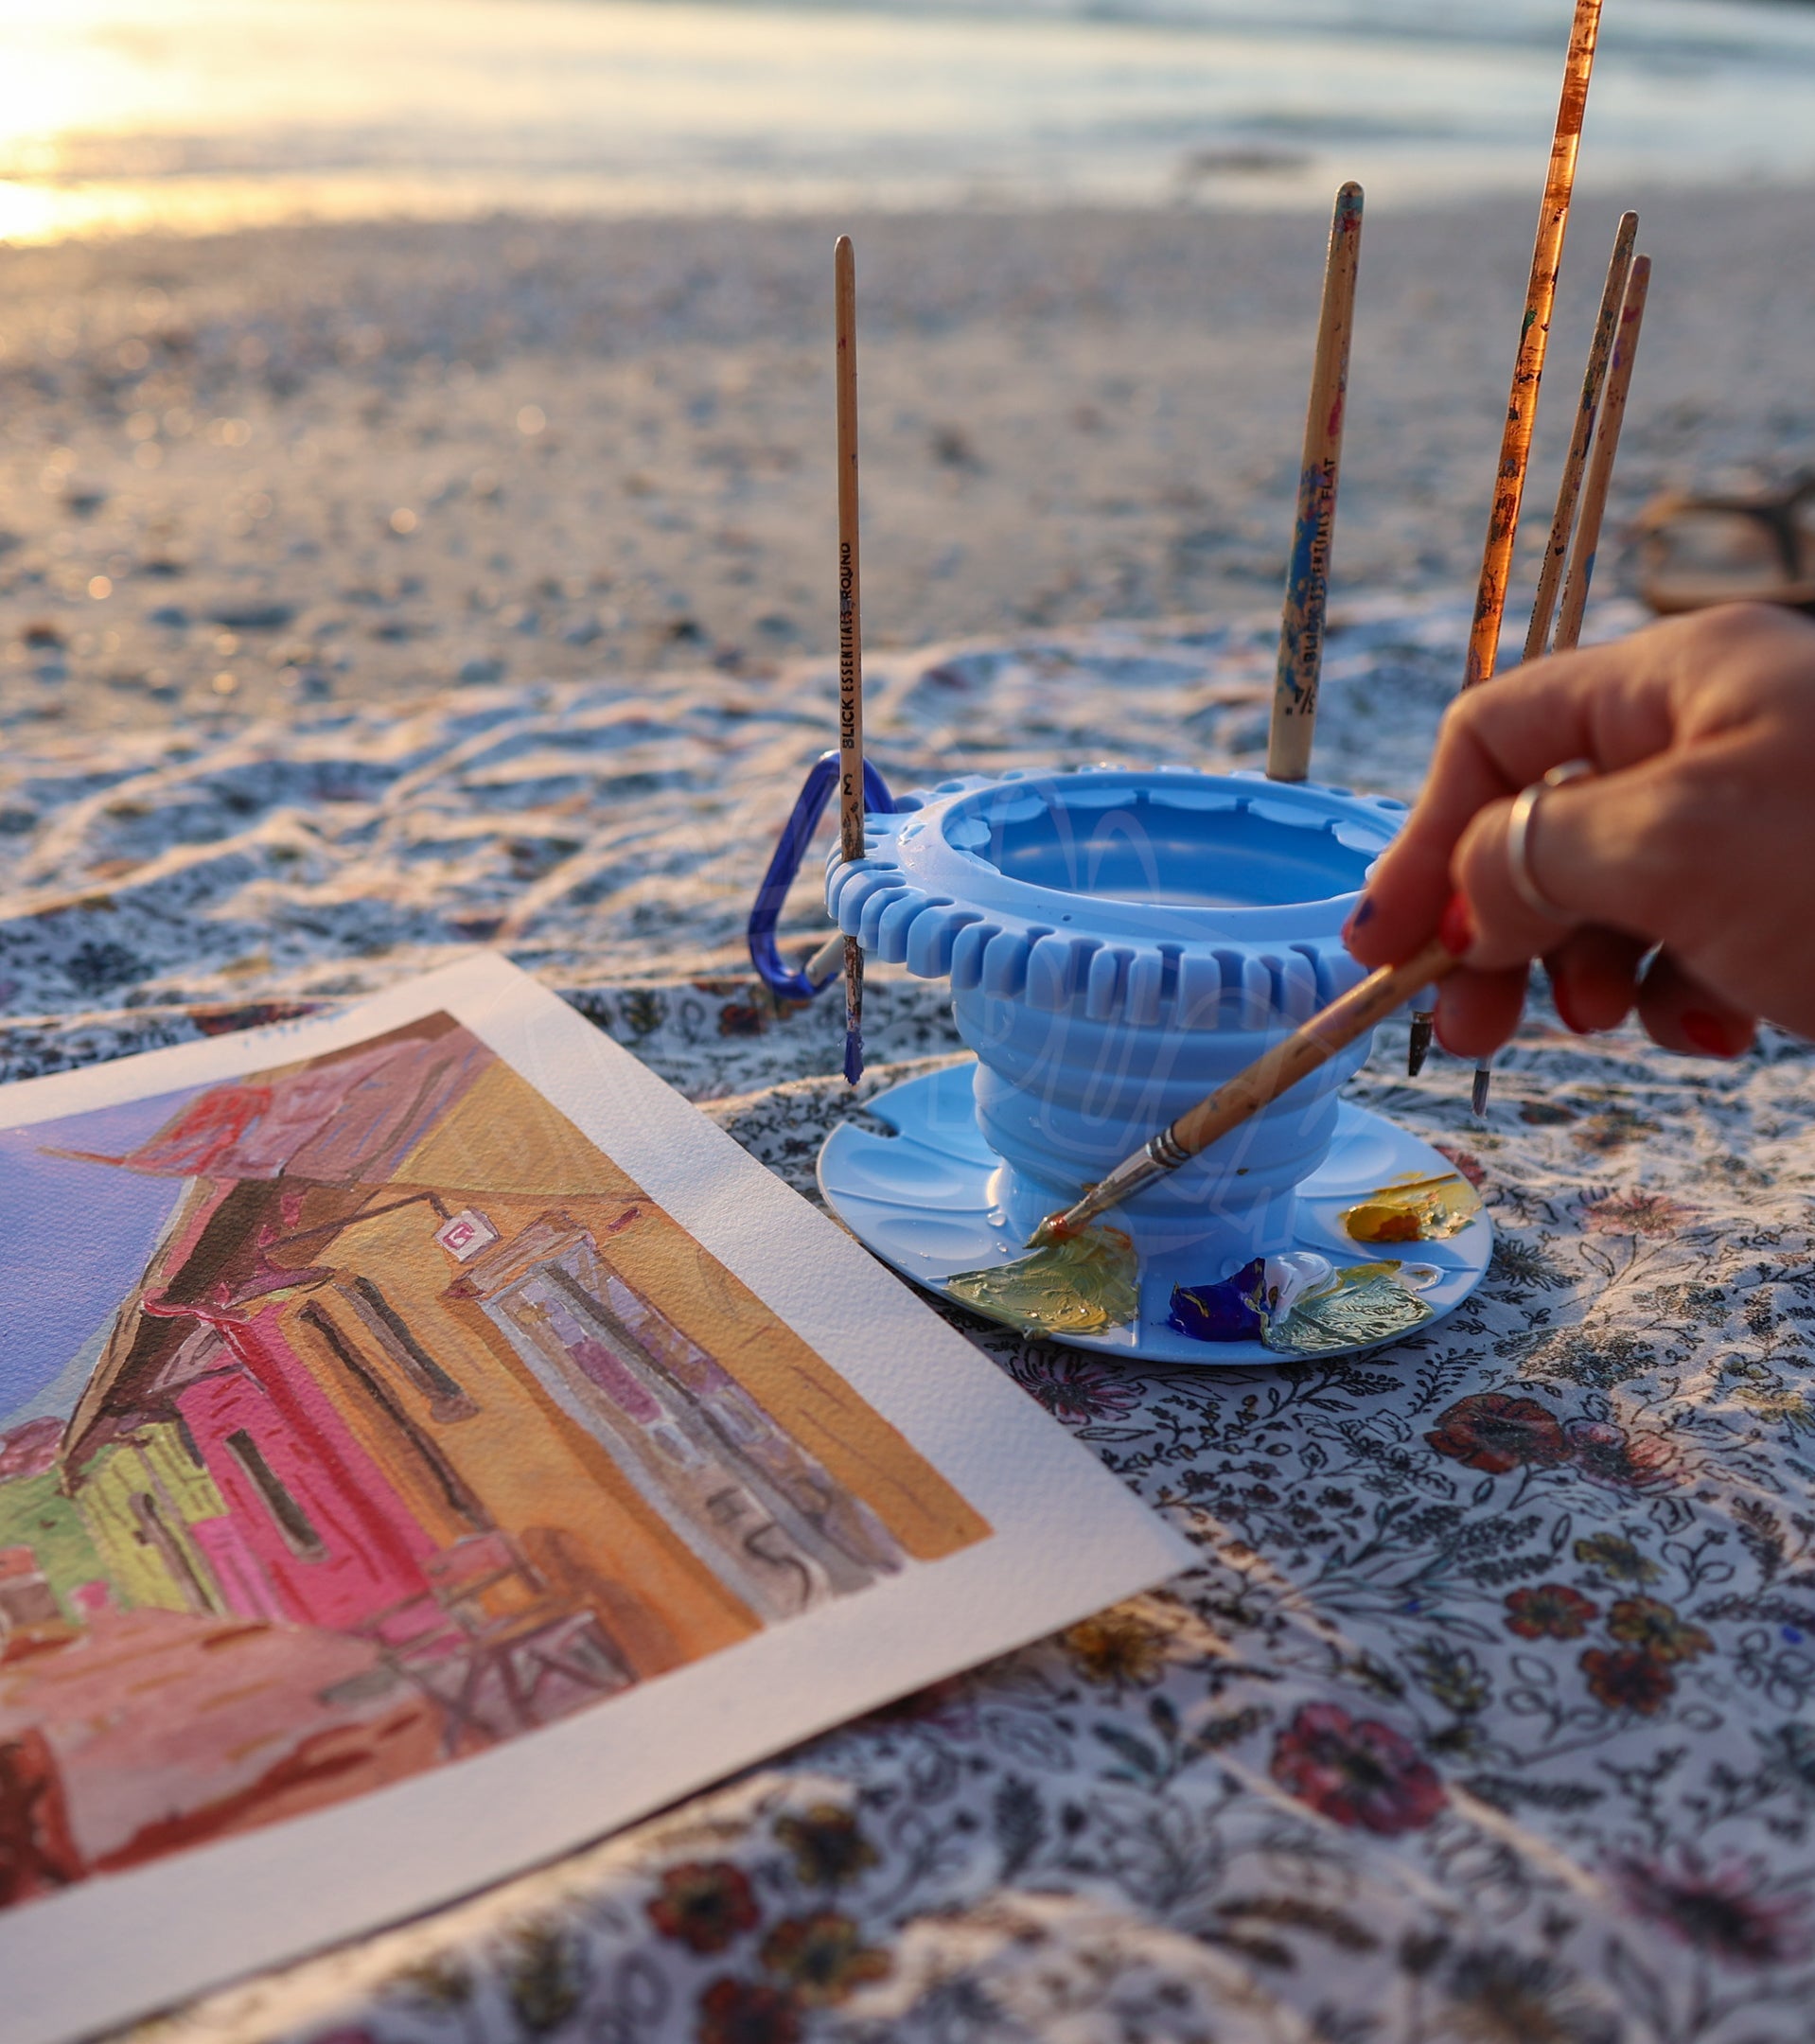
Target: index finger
[{"x": 1496, "y": 740}]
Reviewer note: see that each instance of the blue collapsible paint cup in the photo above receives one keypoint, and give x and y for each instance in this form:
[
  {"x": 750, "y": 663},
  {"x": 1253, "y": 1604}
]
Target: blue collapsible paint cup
[{"x": 1119, "y": 944}]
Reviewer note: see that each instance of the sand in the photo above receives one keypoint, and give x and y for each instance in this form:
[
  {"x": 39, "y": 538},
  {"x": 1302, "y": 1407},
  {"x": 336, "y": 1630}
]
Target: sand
[
  {"x": 369, "y": 592},
  {"x": 349, "y": 464}
]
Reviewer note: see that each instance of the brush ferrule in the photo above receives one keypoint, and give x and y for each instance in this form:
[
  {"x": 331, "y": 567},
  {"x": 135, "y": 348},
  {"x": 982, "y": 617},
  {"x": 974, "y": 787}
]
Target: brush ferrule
[
  {"x": 1124, "y": 1182},
  {"x": 1167, "y": 1151},
  {"x": 1160, "y": 1155}
]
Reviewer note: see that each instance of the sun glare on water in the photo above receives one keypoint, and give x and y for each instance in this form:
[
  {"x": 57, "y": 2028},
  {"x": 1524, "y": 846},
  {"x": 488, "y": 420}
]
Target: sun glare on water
[
  {"x": 201, "y": 114},
  {"x": 193, "y": 116}
]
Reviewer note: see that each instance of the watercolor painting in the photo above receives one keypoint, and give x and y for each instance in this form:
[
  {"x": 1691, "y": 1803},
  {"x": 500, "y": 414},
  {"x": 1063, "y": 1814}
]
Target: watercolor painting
[{"x": 360, "y": 1414}]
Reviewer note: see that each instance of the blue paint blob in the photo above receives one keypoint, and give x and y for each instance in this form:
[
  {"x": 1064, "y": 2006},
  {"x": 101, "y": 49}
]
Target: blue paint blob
[{"x": 1233, "y": 1310}]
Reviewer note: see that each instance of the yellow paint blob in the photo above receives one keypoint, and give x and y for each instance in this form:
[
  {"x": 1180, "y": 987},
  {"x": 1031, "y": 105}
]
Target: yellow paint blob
[{"x": 1413, "y": 1210}]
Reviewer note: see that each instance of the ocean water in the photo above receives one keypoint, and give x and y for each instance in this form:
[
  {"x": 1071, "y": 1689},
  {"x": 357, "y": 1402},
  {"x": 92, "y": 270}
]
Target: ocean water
[{"x": 199, "y": 114}]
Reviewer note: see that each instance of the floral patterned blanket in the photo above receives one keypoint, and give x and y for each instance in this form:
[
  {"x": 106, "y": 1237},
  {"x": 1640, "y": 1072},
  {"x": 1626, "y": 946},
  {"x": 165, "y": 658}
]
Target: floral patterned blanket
[{"x": 1488, "y": 1713}]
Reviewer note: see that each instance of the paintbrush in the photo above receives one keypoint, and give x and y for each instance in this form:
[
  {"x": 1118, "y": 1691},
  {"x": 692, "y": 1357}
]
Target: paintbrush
[
  {"x": 1522, "y": 405},
  {"x": 1275, "y": 1071},
  {"x": 1562, "y": 522},
  {"x": 1608, "y": 328},
  {"x": 1081, "y": 1278},
  {"x": 850, "y": 801},
  {"x": 1601, "y": 473},
  {"x": 1301, "y": 627},
  {"x": 1588, "y": 532}
]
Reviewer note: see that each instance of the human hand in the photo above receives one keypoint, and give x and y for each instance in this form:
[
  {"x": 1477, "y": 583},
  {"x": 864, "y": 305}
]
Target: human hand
[{"x": 1697, "y": 835}]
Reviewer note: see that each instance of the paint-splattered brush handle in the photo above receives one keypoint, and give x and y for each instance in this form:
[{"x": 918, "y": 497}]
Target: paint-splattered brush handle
[
  {"x": 1607, "y": 327},
  {"x": 1328, "y": 1033},
  {"x": 851, "y": 790},
  {"x": 1534, "y": 336},
  {"x": 1522, "y": 404},
  {"x": 1302, "y": 623},
  {"x": 1588, "y": 409}
]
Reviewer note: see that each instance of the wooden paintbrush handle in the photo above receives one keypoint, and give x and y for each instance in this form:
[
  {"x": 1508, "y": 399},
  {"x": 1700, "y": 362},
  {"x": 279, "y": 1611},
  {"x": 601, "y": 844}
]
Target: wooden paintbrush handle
[
  {"x": 1301, "y": 624},
  {"x": 851, "y": 805},
  {"x": 851, "y": 789},
  {"x": 1600, "y": 354},
  {"x": 1326, "y": 1033},
  {"x": 1600, "y": 472},
  {"x": 1534, "y": 335}
]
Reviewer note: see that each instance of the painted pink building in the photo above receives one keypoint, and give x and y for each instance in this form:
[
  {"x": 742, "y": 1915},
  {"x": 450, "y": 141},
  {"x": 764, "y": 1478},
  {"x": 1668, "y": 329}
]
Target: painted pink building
[{"x": 315, "y": 1532}]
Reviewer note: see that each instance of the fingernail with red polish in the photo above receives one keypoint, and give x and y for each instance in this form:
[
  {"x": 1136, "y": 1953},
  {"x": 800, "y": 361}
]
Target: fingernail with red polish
[
  {"x": 1712, "y": 1036},
  {"x": 1456, "y": 930}
]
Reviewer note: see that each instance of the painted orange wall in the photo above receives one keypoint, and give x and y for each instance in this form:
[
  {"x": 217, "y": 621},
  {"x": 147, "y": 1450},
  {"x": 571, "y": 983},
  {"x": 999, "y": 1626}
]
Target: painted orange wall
[
  {"x": 505, "y": 1138},
  {"x": 538, "y": 1476}
]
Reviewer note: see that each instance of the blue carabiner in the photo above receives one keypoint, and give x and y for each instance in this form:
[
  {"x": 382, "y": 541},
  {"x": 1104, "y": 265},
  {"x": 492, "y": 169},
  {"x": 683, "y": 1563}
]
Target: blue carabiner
[{"x": 790, "y": 848}]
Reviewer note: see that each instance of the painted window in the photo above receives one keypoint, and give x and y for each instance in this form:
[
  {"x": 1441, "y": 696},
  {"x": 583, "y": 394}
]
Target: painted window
[
  {"x": 442, "y": 1476},
  {"x": 388, "y": 1327},
  {"x": 753, "y": 1505},
  {"x": 289, "y": 1517}
]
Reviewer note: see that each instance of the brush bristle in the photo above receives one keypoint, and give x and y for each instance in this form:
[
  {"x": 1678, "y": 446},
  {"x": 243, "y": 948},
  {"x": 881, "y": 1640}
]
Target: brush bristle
[
  {"x": 852, "y": 1056},
  {"x": 1483, "y": 1087},
  {"x": 1420, "y": 1046}
]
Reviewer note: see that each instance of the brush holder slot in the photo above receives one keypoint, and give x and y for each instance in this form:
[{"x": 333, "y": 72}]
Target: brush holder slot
[{"x": 1119, "y": 944}]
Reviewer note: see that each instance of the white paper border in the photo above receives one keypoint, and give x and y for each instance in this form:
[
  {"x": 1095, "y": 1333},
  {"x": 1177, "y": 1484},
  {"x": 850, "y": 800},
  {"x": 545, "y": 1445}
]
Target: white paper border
[{"x": 1067, "y": 1540}]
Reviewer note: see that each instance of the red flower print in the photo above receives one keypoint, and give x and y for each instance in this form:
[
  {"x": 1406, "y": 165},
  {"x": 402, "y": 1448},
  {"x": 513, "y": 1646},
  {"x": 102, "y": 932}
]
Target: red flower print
[
  {"x": 1077, "y": 1388},
  {"x": 1356, "y": 1774},
  {"x": 1551, "y": 1610},
  {"x": 746, "y": 2011},
  {"x": 1494, "y": 1432},
  {"x": 1720, "y": 1910},
  {"x": 1465, "y": 1161},
  {"x": 1635, "y": 1214},
  {"x": 1608, "y": 1455},
  {"x": 1627, "y": 1680},
  {"x": 703, "y": 1904}
]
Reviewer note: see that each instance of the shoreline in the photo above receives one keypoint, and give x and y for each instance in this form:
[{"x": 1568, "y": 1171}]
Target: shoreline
[{"x": 1241, "y": 181}]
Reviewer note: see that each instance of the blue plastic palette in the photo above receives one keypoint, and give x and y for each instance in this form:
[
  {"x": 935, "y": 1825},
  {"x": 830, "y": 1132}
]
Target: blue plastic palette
[{"x": 928, "y": 1201}]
